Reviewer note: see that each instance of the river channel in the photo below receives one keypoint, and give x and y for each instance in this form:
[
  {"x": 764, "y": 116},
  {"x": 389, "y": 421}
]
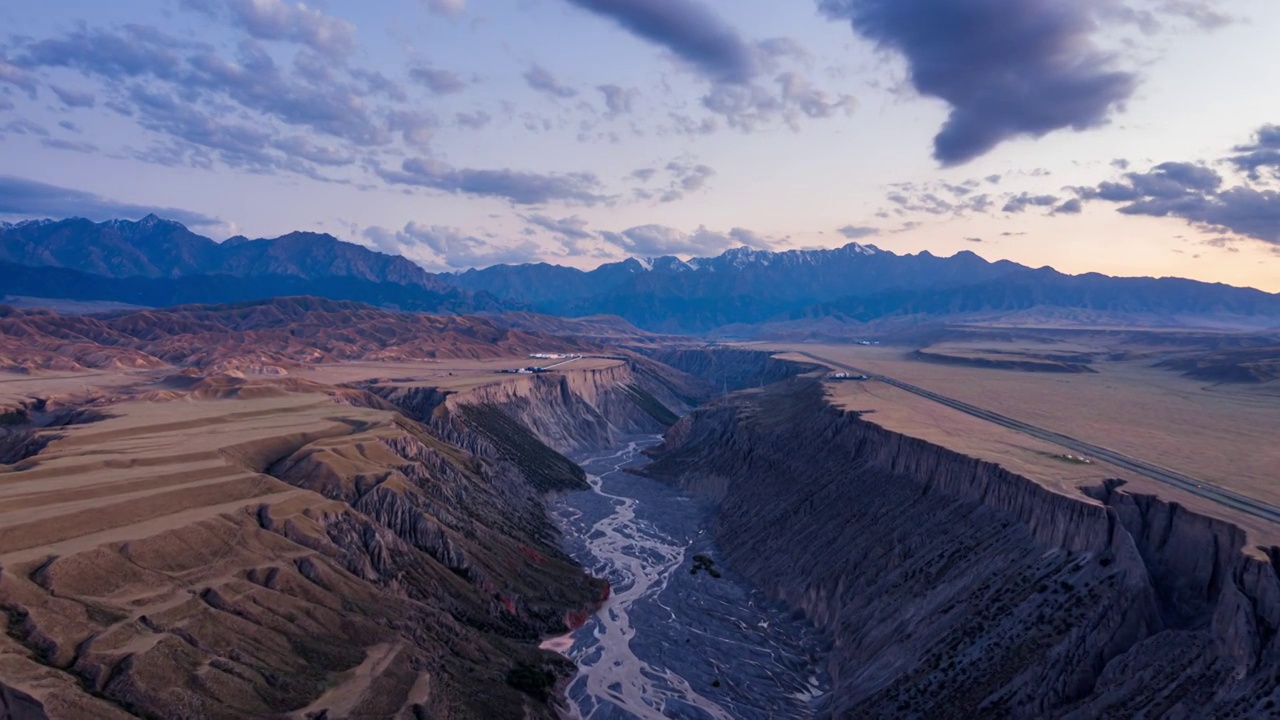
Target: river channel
[{"x": 669, "y": 642}]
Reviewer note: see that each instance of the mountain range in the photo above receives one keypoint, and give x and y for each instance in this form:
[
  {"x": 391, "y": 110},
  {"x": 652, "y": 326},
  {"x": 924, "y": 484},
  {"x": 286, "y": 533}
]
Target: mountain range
[{"x": 155, "y": 262}]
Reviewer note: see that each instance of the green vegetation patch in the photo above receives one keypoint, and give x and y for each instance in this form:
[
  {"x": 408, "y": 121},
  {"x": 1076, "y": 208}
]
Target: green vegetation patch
[
  {"x": 546, "y": 469},
  {"x": 651, "y": 405},
  {"x": 13, "y": 417}
]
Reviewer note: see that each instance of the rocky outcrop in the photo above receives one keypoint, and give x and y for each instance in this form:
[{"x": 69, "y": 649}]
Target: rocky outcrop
[{"x": 952, "y": 588}]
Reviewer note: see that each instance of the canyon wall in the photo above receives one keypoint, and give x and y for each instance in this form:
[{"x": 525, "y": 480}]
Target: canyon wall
[
  {"x": 400, "y": 564},
  {"x": 951, "y": 588},
  {"x": 726, "y": 368},
  {"x": 570, "y": 410}
]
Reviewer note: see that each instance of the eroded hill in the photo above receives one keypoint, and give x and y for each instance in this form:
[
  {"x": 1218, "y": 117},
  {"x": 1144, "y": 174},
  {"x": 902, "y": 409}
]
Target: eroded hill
[{"x": 212, "y": 546}]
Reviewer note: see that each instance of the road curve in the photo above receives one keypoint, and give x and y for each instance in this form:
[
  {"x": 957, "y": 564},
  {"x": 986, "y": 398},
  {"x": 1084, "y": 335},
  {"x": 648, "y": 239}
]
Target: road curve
[{"x": 1198, "y": 487}]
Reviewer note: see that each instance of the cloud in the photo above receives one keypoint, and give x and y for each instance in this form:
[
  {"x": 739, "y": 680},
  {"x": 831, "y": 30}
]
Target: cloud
[
  {"x": 687, "y": 28},
  {"x": 17, "y": 77},
  {"x": 238, "y": 144},
  {"x": 23, "y": 126},
  {"x": 618, "y": 100},
  {"x": 659, "y": 240},
  {"x": 750, "y": 107},
  {"x": 1149, "y": 20},
  {"x": 307, "y": 149},
  {"x": 1070, "y": 207},
  {"x": 1263, "y": 152},
  {"x": 1166, "y": 181},
  {"x": 28, "y": 198},
  {"x": 686, "y": 177},
  {"x": 750, "y": 238},
  {"x": 572, "y": 232},
  {"x": 574, "y": 228},
  {"x": 322, "y": 102},
  {"x": 518, "y": 187},
  {"x": 451, "y": 8},
  {"x": 438, "y": 81},
  {"x": 473, "y": 120},
  {"x": 1007, "y": 68},
  {"x": 1022, "y": 201},
  {"x": 72, "y": 145},
  {"x": 1194, "y": 193},
  {"x": 133, "y": 52},
  {"x": 857, "y": 232},
  {"x": 284, "y": 21},
  {"x": 815, "y": 103},
  {"x": 441, "y": 247},
  {"x": 541, "y": 79},
  {"x": 74, "y": 98},
  {"x": 1241, "y": 210}
]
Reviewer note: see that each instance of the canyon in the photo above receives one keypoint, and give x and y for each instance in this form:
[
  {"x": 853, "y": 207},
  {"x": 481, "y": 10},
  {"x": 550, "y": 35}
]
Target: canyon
[
  {"x": 951, "y": 587},
  {"x": 315, "y": 510}
]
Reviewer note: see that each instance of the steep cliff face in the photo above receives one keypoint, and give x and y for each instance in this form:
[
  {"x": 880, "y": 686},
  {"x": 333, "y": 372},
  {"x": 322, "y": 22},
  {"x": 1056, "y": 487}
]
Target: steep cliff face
[
  {"x": 730, "y": 368},
  {"x": 953, "y": 588},
  {"x": 569, "y": 411}
]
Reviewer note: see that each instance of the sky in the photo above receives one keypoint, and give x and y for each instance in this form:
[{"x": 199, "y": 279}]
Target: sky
[{"x": 1130, "y": 137}]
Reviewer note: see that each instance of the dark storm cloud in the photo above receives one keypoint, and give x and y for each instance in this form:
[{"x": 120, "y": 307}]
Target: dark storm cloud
[
  {"x": 518, "y": 187},
  {"x": 1007, "y": 68},
  {"x": 28, "y": 198},
  {"x": 541, "y": 79},
  {"x": 687, "y": 28}
]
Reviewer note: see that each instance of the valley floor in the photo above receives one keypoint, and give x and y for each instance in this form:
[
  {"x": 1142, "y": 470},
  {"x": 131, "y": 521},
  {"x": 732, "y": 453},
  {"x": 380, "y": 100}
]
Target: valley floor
[{"x": 680, "y": 636}]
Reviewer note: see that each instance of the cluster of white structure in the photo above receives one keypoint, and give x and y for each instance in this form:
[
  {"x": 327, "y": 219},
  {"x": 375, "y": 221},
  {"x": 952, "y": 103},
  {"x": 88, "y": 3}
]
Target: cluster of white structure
[{"x": 846, "y": 376}]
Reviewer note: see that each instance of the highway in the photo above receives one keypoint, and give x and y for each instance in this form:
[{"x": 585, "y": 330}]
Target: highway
[{"x": 1206, "y": 490}]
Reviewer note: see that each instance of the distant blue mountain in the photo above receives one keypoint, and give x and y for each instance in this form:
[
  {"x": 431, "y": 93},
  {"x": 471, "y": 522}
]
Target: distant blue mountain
[{"x": 159, "y": 262}]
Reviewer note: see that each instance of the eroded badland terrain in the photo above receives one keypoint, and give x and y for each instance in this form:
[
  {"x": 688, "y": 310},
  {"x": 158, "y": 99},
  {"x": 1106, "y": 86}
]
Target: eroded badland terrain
[{"x": 314, "y": 509}]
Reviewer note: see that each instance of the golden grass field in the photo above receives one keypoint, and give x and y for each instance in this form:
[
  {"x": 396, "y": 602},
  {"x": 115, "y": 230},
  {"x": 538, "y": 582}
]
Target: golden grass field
[
  {"x": 1228, "y": 435},
  {"x": 168, "y": 457}
]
